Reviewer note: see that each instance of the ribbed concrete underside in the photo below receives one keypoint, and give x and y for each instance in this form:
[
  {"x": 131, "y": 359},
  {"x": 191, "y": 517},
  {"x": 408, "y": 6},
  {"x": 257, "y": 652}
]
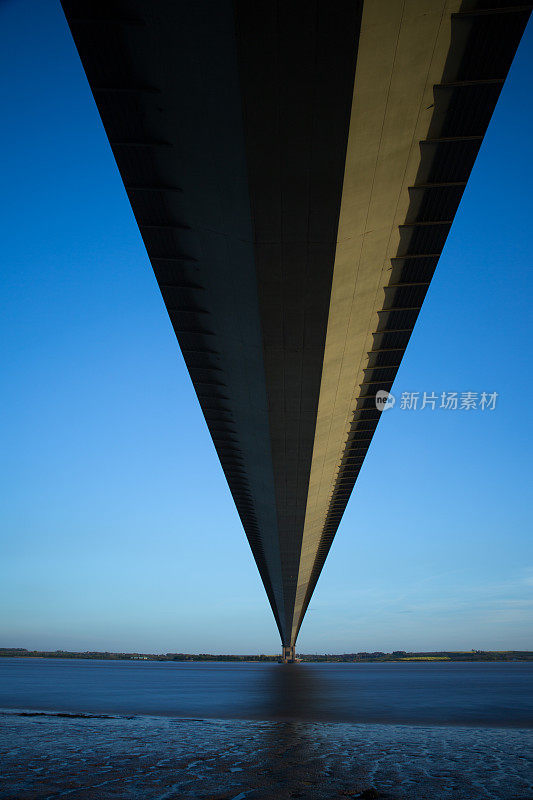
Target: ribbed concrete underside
[{"x": 294, "y": 169}]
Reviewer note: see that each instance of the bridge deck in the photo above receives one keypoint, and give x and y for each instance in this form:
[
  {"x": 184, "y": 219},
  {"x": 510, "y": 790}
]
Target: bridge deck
[{"x": 294, "y": 169}]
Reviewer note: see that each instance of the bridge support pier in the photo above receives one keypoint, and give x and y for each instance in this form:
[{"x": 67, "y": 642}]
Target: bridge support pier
[{"x": 287, "y": 654}]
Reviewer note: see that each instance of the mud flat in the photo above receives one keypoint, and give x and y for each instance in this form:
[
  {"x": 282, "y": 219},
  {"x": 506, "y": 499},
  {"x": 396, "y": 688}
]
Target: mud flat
[{"x": 48, "y": 755}]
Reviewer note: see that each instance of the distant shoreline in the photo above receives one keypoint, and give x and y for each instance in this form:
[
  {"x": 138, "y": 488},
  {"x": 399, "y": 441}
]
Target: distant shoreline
[{"x": 397, "y": 656}]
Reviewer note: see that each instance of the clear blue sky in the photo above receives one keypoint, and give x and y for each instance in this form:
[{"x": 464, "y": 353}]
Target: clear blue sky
[{"x": 118, "y": 530}]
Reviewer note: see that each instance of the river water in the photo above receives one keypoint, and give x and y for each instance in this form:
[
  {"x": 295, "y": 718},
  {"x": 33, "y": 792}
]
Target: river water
[
  {"x": 438, "y": 693},
  {"x": 164, "y": 730}
]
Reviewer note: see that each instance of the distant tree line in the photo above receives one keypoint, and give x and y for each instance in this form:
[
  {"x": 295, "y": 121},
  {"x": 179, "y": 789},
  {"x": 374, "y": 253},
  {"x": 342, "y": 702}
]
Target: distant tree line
[{"x": 377, "y": 656}]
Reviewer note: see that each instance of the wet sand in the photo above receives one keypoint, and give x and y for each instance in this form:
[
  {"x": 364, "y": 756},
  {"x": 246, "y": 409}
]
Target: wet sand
[{"x": 157, "y": 758}]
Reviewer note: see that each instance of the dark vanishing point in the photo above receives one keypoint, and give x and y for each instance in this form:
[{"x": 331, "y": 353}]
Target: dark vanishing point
[{"x": 294, "y": 169}]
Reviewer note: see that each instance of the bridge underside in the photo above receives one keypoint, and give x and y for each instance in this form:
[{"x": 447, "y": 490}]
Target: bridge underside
[{"x": 294, "y": 169}]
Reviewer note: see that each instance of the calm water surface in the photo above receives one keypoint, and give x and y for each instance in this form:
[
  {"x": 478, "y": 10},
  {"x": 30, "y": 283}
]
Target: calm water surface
[{"x": 482, "y": 694}]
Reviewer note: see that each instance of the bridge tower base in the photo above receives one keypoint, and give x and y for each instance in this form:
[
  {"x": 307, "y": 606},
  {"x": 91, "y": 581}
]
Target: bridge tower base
[{"x": 287, "y": 655}]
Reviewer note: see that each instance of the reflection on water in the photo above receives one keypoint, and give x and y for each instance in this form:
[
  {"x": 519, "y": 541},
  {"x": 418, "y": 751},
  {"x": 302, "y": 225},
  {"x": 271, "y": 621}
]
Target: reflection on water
[
  {"x": 292, "y": 750},
  {"x": 292, "y": 692}
]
